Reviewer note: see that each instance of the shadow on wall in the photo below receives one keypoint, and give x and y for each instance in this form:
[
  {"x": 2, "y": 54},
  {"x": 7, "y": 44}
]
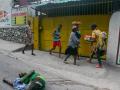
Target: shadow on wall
[{"x": 14, "y": 34}]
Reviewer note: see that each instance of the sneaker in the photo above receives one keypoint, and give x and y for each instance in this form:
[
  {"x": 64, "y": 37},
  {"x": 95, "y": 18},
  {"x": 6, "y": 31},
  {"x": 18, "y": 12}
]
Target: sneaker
[
  {"x": 98, "y": 66},
  {"x": 66, "y": 62}
]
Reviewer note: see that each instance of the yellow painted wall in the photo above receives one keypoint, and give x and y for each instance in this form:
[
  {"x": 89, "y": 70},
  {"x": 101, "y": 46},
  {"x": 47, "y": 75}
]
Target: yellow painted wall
[
  {"x": 35, "y": 30},
  {"x": 50, "y": 23}
]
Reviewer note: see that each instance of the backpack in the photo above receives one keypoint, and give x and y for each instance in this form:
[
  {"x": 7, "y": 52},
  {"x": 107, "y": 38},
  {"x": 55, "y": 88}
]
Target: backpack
[
  {"x": 104, "y": 35},
  {"x": 104, "y": 38}
]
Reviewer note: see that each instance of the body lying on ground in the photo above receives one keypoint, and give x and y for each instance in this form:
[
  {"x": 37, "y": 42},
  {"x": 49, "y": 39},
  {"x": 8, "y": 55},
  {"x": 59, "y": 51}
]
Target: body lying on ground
[{"x": 28, "y": 81}]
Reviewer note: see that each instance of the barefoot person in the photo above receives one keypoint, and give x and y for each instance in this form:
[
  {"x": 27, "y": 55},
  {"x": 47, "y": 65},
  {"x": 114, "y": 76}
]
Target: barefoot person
[
  {"x": 56, "y": 39},
  {"x": 29, "y": 39}
]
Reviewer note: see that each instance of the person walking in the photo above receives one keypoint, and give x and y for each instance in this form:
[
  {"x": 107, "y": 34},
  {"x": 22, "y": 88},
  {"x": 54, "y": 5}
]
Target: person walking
[
  {"x": 77, "y": 33},
  {"x": 56, "y": 39},
  {"x": 29, "y": 39},
  {"x": 98, "y": 44},
  {"x": 72, "y": 45}
]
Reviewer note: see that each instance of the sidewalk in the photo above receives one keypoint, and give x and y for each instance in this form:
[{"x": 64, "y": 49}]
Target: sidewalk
[{"x": 83, "y": 72}]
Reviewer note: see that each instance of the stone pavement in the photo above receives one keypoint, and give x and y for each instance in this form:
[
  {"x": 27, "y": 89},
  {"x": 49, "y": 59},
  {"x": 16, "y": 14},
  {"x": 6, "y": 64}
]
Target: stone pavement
[{"x": 84, "y": 73}]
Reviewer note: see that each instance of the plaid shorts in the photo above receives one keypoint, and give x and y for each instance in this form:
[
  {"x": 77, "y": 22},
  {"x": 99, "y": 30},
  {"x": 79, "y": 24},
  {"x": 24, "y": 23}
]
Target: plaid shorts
[{"x": 18, "y": 85}]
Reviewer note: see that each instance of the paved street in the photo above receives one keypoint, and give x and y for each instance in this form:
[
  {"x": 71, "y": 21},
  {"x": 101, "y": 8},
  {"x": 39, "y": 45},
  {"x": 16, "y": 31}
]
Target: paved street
[
  {"x": 10, "y": 67},
  {"x": 59, "y": 76}
]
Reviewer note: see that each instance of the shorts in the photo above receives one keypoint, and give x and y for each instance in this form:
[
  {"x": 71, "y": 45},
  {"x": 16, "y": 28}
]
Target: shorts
[
  {"x": 56, "y": 43},
  {"x": 18, "y": 85}
]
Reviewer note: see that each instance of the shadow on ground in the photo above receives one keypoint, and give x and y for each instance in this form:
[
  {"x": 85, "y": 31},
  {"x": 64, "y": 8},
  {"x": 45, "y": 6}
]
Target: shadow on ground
[{"x": 20, "y": 49}]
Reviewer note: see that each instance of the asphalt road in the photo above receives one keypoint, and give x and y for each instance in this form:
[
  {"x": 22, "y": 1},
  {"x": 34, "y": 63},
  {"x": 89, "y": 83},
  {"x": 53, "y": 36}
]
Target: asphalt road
[{"x": 10, "y": 67}]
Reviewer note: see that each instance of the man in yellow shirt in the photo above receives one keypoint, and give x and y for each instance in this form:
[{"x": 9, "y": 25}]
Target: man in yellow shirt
[{"x": 98, "y": 46}]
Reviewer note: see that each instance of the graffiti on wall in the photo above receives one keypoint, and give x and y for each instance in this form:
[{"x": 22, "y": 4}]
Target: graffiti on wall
[{"x": 14, "y": 34}]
